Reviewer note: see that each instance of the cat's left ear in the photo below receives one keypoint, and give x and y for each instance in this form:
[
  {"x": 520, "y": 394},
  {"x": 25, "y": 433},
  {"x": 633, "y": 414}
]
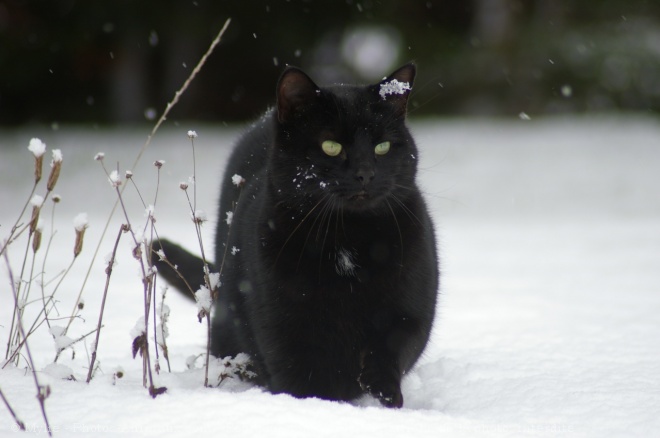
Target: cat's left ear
[
  {"x": 396, "y": 88},
  {"x": 295, "y": 90}
]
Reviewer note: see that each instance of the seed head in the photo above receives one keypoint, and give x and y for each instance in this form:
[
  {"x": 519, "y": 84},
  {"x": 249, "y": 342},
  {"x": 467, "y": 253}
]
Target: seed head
[
  {"x": 36, "y": 239},
  {"x": 55, "y": 167},
  {"x": 80, "y": 223},
  {"x": 36, "y": 201},
  {"x": 38, "y": 149},
  {"x": 114, "y": 179}
]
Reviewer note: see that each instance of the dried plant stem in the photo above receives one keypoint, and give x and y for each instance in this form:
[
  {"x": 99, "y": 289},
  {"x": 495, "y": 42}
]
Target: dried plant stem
[
  {"x": 19, "y": 423},
  {"x": 14, "y": 335},
  {"x": 208, "y": 350},
  {"x": 17, "y": 224},
  {"x": 207, "y": 280},
  {"x": 43, "y": 268},
  {"x": 176, "y": 270},
  {"x": 160, "y": 121},
  {"x": 183, "y": 88},
  {"x": 122, "y": 229},
  {"x": 42, "y": 391},
  {"x": 163, "y": 347}
]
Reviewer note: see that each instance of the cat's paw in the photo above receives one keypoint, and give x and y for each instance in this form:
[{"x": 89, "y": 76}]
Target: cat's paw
[{"x": 387, "y": 391}]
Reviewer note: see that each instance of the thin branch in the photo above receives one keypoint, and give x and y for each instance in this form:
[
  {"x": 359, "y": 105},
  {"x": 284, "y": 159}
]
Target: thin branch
[
  {"x": 19, "y": 423},
  {"x": 122, "y": 229},
  {"x": 42, "y": 391},
  {"x": 163, "y": 117}
]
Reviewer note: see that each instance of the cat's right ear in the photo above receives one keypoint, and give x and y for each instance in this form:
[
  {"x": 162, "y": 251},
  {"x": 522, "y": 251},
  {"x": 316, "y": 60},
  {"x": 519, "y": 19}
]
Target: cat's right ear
[{"x": 295, "y": 90}]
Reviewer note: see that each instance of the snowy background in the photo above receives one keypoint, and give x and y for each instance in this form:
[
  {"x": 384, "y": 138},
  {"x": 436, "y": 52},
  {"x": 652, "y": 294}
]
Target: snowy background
[{"x": 549, "y": 312}]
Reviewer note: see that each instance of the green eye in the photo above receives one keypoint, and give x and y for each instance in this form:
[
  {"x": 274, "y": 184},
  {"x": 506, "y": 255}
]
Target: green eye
[
  {"x": 382, "y": 148},
  {"x": 331, "y": 148}
]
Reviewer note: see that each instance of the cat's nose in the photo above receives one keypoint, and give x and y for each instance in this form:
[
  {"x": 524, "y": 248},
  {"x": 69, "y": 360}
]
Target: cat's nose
[{"x": 365, "y": 175}]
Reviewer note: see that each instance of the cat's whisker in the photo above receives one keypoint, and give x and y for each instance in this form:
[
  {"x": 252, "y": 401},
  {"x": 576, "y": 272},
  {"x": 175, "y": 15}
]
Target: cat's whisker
[
  {"x": 398, "y": 228},
  {"x": 328, "y": 213},
  {"x": 318, "y": 217},
  {"x": 405, "y": 208},
  {"x": 302, "y": 221}
]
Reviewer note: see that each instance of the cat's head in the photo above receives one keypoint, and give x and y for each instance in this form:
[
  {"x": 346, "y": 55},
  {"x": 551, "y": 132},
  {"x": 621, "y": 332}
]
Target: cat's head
[{"x": 346, "y": 144}]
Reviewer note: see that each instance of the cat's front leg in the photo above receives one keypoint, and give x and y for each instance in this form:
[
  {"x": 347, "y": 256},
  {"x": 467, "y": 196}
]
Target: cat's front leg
[{"x": 381, "y": 377}]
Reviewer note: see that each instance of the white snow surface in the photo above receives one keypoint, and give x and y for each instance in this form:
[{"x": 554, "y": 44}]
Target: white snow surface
[{"x": 548, "y": 314}]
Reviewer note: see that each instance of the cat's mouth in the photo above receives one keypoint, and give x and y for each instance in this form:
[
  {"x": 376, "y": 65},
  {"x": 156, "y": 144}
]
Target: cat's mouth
[
  {"x": 360, "y": 196},
  {"x": 363, "y": 200}
]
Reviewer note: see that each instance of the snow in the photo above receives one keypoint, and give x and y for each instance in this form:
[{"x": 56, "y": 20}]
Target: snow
[
  {"x": 199, "y": 216},
  {"x": 80, "y": 222},
  {"x": 547, "y": 322},
  {"x": 37, "y": 201},
  {"x": 237, "y": 180},
  {"x": 114, "y": 179},
  {"x": 214, "y": 280},
  {"x": 203, "y": 298},
  {"x": 57, "y": 157},
  {"x": 393, "y": 87},
  {"x": 138, "y": 329},
  {"x": 37, "y": 147},
  {"x": 345, "y": 263}
]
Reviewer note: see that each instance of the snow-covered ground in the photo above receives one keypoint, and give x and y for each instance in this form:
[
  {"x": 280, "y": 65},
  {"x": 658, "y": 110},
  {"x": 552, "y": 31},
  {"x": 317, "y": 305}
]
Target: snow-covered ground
[{"x": 549, "y": 315}]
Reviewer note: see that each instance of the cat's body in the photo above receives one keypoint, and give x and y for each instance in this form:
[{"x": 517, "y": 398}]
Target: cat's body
[{"x": 330, "y": 272}]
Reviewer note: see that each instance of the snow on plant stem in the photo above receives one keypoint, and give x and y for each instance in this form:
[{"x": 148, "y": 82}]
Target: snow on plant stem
[
  {"x": 114, "y": 179},
  {"x": 80, "y": 223},
  {"x": 37, "y": 147},
  {"x": 199, "y": 216},
  {"x": 55, "y": 167},
  {"x": 204, "y": 302}
]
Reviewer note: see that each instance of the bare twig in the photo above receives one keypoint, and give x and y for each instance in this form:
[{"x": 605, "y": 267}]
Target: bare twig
[
  {"x": 19, "y": 423},
  {"x": 17, "y": 224},
  {"x": 108, "y": 271},
  {"x": 162, "y": 118},
  {"x": 42, "y": 391}
]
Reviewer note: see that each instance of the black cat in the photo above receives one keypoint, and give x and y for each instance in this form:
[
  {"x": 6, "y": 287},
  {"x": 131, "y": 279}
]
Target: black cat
[{"x": 329, "y": 266}]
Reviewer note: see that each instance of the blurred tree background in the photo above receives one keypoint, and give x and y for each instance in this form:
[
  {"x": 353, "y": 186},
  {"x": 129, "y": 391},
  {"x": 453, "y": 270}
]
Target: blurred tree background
[{"x": 118, "y": 61}]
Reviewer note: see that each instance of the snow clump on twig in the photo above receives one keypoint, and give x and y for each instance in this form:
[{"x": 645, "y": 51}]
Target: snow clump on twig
[{"x": 37, "y": 147}]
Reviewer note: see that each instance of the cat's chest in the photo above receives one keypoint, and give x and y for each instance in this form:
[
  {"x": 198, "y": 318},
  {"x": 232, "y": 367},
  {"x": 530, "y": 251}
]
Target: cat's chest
[{"x": 334, "y": 254}]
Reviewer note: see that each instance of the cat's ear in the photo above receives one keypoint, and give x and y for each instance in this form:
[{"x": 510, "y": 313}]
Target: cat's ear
[
  {"x": 395, "y": 88},
  {"x": 295, "y": 90}
]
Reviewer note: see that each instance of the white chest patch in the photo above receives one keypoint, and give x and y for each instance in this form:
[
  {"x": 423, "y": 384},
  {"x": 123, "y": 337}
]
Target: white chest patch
[{"x": 345, "y": 262}]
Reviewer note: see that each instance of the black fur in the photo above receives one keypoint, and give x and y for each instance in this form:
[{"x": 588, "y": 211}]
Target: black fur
[{"x": 333, "y": 288}]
